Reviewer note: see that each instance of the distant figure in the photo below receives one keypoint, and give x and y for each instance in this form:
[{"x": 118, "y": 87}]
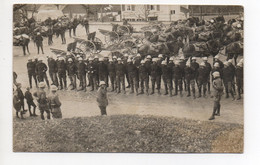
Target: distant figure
[
  {"x": 20, "y": 95},
  {"x": 17, "y": 105},
  {"x": 29, "y": 100},
  {"x": 14, "y": 78},
  {"x": 86, "y": 25},
  {"x": 125, "y": 22},
  {"x": 102, "y": 98},
  {"x": 218, "y": 92},
  {"x": 54, "y": 103},
  {"x": 50, "y": 34},
  {"x": 38, "y": 41}
]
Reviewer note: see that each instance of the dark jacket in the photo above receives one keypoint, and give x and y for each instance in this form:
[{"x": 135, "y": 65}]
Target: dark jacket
[
  {"x": 239, "y": 73},
  {"x": 81, "y": 68},
  {"x": 120, "y": 69},
  {"x": 102, "y": 68},
  {"x": 28, "y": 97},
  {"x": 202, "y": 74},
  {"x": 53, "y": 68},
  {"x": 31, "y": 67},
  {"x": 189, "y": 73},
  {"x": 143, "y": 71},
  {"x": 41, "y": 68},
  {"x": 166, "y": 72},
  {"x": 111, "y": 68},
  {"x": 227, "y": 74},
  {"x": 61, "y": 67},
  {"x": 92, "y": 69},
  {"x": 177, "y": 72},
  {"x": 155, "y": 70},
  {"x": 132, "y": 70},
  {"x": 38, "y": 40},
  {"x": 72, "y": 69}
]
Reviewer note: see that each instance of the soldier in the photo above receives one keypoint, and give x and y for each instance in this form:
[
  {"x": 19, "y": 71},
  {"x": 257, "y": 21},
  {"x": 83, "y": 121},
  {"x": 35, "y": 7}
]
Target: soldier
[
  {"x": 17, "y": 105},
  {"x": 42, "y": 101},
  {"x": 233, "y": 72},
  {"x": 96, "y": 62},
  {"x": 86, "y": 25},
  {"x": 160, "y": 59},
  {"x": 40, "y": 70},
  {"x": 61, "y": 65},
  {"x": 148, "y": 63},
  {"x": 227, "y": 79},
  {"x": 177, "y": 78},
  {"x": 50, "y": 34},
  {"x": 182, "y": 66},
  {"x": 208, "y": 68},
  {"x": 81, "y": 68},
  {"x": 92, "y": 74},
  {"x": 120, "y": 73},
  {"x": 216, "y": 59},
  {"x": 114, "y": 59},
  {"x": 106, "y": 62},
  {"x": 194, "y": 66},
  {"x": 132, "y": 73},
  {"x": 144, "y": 77},
  {"x": 102, "y": 98},
  {"x": 239, "y": 79},
  {"x": 54, "y": 103},
  {"x": 29, "y": 100},
  {"x": 38, "y": 41},
  {"x": 155, "y": 76},
  {"x": 166, "y": 75},
  {"x": 137, "y": 63},
  {"x": 170, "y": 66},
  {"x": 20, "y": 95},
  {"x": 53, "y": 69},
  {"x": 31, "y": 72},
  {"x": 190, "y": 77},
  {"x": 126, "y": 72},
  {"x": 72, "y": 73},
  {"x": 103, "y": 71},
  {"x": 218, "y": 92},
  {"x": 202, "y": 79},
  {"x": 216, "y": 68},
  {"x": 112, "y": 74}
]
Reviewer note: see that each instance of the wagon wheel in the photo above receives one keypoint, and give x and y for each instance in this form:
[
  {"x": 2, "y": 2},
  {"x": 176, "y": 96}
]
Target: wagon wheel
[
  {"x": 88, "y": 47},
  {"x": 99, "y": 44},
  {"x": 111, "y": 38},
  {"x": 124, "y": 30},
  {"x": 130, "y": 46},
  {"x": 148, "y": 34}
]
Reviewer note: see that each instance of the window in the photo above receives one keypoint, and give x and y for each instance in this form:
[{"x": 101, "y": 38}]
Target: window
[
  {"x": 152, "y": 7},
  {"x": 128, "y": 7},
  {"x": 172, "y": 11}
]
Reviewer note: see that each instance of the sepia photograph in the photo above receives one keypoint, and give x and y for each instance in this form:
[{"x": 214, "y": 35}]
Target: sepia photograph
[{"x": 128, "y": 78}]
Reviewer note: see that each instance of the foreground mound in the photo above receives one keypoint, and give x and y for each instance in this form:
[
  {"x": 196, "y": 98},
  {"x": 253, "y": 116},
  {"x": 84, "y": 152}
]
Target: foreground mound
[{"x": 126, "y": 133}]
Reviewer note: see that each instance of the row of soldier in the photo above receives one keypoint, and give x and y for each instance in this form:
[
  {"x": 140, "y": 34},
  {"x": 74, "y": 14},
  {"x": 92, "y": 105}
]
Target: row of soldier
[{"x": 138, "y": 72}]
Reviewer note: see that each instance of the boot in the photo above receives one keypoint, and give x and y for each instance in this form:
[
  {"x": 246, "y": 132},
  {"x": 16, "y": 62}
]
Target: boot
[
  {"x": 218, "y": 110},
  {"x": 30, "y": 112},
  {"x": 212, "y": 117},
  {"x": 152, "y": 90},
  {"x": 176, "y": 92},
  {"x": 170, "y": 93},
  {"x": 21, "y": 113},
  {"x": 34, "y": 114},
  {"x": 48, "y": 116},
  {"x": 142, "y": 92},
  {"x": 188, "y": 92},
  {"x": 136, "y": 91},
  {"x": 166, "y": 90},
  {"x": 199, "y": 93},
  {"x": 159, "y": 92},
  {"x": 17, "y": 115},
  {"x": 147, "y": 93},
  {"x": 42, "y": 117}
]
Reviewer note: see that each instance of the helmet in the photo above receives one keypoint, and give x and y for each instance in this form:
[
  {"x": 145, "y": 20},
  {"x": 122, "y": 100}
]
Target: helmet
[
  {"x": 202, "y": 64},
  {"x": 110, "y": 60},
  {"x": 54, "y": 88},
  {"x": 240, "y": 64},
  {"x": 80, "y": 59},
  {"x": 42, "y": 84},
  {"x": 96, "y": 57},
  {"x": 50, "y": 56},
  {"x": 70, "y": 60},
  {"x": 114, "y": 57},
  {"x": 102, "y": 83},
  {"x": 68, "y": 53},
  {"x": 212, "y": 21},
  {"x": 78, "y": 56},
  {"x": 154, "y": 59},
  {"x": 216, "y": 74},
  {"x": 90, "y": 59},
  {"x": 101, "y": 59},
  {"x": 129, "y": 60},
  {"x": 177, "y": 62},
  {"x": 205, "y": 58},
  {"x": 171, "y": 59},
  {"x": 216, "y": 57},
  {"x": 163, "y": 62},
  {"x": 126, "y": 55},
  {"x": 194, "y": 58},
  {"x": 142, "y": 62},
  {"x": 238, "y": 25},
  {"x": 216, "y": 64},
  {"x": 160, "y": 56},
  {"x": 138, "y": 55},
  {"x": 149, "y": 56},
  {"x": 226, "y": 63},
  {"x": 182, "y": 58},
  {"x": 119, "y": 59},
  {"x": 38, "y": 33}
]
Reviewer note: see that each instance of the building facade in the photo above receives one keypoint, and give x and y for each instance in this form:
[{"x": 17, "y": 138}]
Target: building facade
[{"x": 154, "y": 12}]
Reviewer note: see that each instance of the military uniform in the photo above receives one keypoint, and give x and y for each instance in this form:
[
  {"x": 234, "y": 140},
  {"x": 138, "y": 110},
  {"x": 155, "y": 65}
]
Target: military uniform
[
  {"x": 38, "y": 41},
  {"x": 102, "y": 100},
  {"x": 29, "y": 100},
  {"x": 120, "y": 77},
  {"x": 202, "y": 80},
  {"x": 190, "y": 76},
  {"x": 54, "y": 105},
  {"x": 144, "y": 78},
  {"x": 112, "y": 75},
  {"x": 208, "y": 68},
  {"x": 72, "y": 72},
  {"x": 81, "y": 71},
  {"x": 42, "y": 103},
  {"x": 178, "y": 79},
  {"x": 182, "y": 66},
  {"x": 133, "y": 77},
  {"x": 239, "y": 81},
  {"x": 155, "y": 77},
  {"x": 53, "y": 69},
  {"x": 228, "y": 79},
  {"x": 92, "y": 75},
  {"x": 167, "y": 79},
  {"x": 31, "y": 73},
  {"x": 62, "y": 73},
  {"x": 103, "y": 71},
  {"x": 40, "y": 70}
]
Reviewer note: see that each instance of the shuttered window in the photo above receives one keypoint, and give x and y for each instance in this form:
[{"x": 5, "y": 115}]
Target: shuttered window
[{"x": 133, "y": 7}]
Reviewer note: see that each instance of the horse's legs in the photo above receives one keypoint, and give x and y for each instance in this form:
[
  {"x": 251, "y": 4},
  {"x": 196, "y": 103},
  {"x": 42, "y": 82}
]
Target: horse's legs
[
  {"x": 24, "y": 52},
  {"x": 74, "y": 31}
]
